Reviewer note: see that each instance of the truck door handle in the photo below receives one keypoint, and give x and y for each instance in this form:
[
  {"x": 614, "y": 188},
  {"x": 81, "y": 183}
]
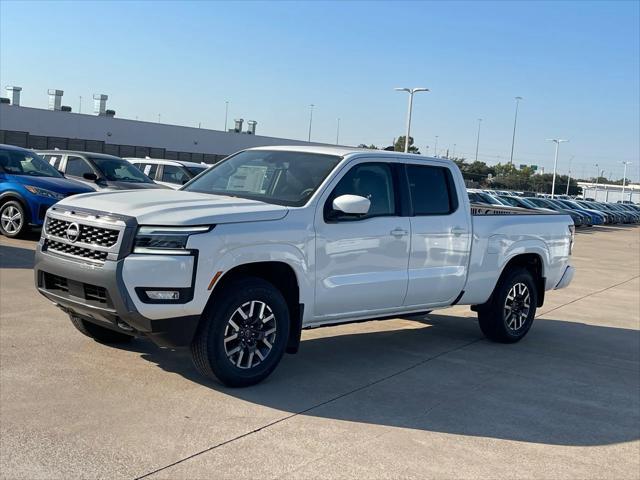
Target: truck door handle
[
  {"x": 398, "y": 232},
  {"x": 457, "y": 231}
]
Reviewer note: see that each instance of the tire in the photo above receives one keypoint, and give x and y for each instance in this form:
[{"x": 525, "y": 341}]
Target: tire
[
  {"x": 216, "y": 358},
  {"x": 98, "y": 333},
  {"x": 13, "y": 221},
  {"x": 505, "y": 319}
]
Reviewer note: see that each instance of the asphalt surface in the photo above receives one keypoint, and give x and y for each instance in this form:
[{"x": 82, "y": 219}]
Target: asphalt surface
[{"x": 410, "y": 398}]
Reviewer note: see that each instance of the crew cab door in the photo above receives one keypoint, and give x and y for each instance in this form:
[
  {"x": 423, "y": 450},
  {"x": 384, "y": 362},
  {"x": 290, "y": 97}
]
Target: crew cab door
[
  {"x": 361, "y": 263},
  {"x": 440, "y": 234}
]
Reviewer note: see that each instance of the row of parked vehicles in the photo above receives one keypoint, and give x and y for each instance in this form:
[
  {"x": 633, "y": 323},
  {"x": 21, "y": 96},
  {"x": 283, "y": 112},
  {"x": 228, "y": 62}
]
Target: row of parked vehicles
[
  {"x": 585, "y": 213},
  {"x": 30, "y": 182}
]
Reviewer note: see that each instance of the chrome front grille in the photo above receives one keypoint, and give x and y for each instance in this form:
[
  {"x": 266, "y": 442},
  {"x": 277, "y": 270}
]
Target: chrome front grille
[
  {"x": 104, "y": 237},
  {"x": 87, "y": 236},
  {"x": 76, "y": 251}
]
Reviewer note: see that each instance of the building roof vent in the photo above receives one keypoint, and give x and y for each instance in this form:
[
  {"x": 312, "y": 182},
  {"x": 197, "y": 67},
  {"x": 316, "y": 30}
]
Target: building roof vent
[
  {"x": 14, "y": 94},
  {"x": 5, "y": 100},
  {"x": 65, "y": 108},
  {"x": 100, "y": 104},
  {"x": 238, "y": 125},
  {"x": 110, "y": 113},
  {"x": 55, "y": 99},
  {"x": 251, "y": 127}
]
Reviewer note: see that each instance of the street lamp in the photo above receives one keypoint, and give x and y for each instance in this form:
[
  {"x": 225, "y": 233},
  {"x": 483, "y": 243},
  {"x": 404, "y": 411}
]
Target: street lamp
[
  {"x": 624, "y": 178},
  {"x": 478, "y": 139},
  {"x": 338, "y": 132},
  {"x": 226, "y": 114},
  {"x": 515, "y": 121},
  {"x": 557, "y": 141},
  {"x": 310, "y": 119},
  {"x": 411, "y": 91},
  {"x": 435, "y": 148}
]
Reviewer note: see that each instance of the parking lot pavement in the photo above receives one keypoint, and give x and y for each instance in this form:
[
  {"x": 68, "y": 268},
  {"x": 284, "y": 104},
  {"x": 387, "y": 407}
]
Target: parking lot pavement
[{"x": 425, "y": 397}]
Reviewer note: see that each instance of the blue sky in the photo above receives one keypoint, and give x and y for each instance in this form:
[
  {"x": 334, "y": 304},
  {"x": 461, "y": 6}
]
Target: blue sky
[{"x": 576, "y": 64}]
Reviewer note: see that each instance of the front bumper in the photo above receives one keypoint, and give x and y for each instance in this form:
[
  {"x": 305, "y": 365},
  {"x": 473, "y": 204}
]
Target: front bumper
[{"x": 98, "y": 294}]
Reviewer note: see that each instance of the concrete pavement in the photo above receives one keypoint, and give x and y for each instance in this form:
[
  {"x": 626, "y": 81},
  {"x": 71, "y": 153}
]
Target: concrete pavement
[{"x": 411, "y": 398}]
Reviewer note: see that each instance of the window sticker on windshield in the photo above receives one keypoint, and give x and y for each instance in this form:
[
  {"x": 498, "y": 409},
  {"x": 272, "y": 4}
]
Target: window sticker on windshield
[
  {"x": 147, "y": 169},
  {"x": 248, "y": 179}
]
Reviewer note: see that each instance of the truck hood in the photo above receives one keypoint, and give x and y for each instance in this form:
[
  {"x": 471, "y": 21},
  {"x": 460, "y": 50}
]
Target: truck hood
[{"x": 176, "y": 207}]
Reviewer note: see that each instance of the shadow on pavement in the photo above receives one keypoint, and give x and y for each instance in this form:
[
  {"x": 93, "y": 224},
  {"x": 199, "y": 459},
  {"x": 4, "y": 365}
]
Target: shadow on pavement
[
  {"x": 565, "y": 384},
  {"x": 16, "y": 257}
]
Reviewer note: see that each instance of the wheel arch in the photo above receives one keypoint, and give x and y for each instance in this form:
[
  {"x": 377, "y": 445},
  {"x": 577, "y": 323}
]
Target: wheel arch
[
  {"x": 532, "y": 262},
  {"x": 14, "y": 195},
  {"x": 283, "y": 277}
]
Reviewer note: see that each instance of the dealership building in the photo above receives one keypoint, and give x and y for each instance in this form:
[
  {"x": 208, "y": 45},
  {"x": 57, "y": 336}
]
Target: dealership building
[{"x": 103, "y": 132}]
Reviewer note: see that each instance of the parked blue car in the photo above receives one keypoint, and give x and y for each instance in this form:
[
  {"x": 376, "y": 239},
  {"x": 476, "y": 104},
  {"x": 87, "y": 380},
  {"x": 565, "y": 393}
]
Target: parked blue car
[{"x": 28, "y": 187}]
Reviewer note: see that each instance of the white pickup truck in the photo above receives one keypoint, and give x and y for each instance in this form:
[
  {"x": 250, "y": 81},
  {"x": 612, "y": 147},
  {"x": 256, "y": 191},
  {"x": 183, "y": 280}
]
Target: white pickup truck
[{"x": 274, "y": 240}]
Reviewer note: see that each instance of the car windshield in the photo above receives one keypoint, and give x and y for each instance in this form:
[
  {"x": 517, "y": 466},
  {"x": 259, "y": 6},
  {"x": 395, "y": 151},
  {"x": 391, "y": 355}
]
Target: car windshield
[
  {"x": 195, "y": 170},
  {"x": 490, "y": 199},
  {"x": 19, "y": 162},
  {"x": 283, "y": 178},
  {"x": 118, "y": 170}
]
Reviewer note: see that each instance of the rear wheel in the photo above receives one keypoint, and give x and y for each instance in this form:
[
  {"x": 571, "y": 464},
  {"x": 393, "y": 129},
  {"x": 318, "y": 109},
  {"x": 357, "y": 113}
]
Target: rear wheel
[
  {"x": 98, "y": 333},
  {"x": 241, "y": 341},
  {"x": 13, "y": 221},
  {"x": 509, "y": 314}
]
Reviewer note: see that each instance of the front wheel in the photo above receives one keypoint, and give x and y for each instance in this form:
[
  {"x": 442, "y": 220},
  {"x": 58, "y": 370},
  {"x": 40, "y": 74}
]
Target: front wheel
[
  {"x": 241, "y": 341},
  {"x": 13, "y": 221},
  {"x": 509, "y": 314}
]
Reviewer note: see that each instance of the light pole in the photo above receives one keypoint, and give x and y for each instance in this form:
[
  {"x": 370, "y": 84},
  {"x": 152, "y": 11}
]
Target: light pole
[
  {"x": 310, "y": 119},
  {"x": 80, "y": 105},
  {"x": 624, "y": 178},
  {"x": 453, "y": 155},
  {"x": 515, "y": 121},
  {"x": 569, "y": 176},
  {"x": 411, "y": 91},
  {"x": 338, "y": 132},
  {"x": 557, "y": 141},
  {"x": 478, "y": 139},
  {"x": 226, "y": 114},
  {"x": 435, "y": 148},
  {"x": 595, "y": 195}
]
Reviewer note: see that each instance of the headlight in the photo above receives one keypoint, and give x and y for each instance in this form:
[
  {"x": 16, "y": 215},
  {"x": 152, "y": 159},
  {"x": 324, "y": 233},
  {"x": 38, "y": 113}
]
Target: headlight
[
  {"x": 165, "y": 240},
  {"x": 44, "y": 193}
]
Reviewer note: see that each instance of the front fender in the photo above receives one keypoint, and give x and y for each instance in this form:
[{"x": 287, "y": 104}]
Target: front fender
[{"x": 284, "y": 253}]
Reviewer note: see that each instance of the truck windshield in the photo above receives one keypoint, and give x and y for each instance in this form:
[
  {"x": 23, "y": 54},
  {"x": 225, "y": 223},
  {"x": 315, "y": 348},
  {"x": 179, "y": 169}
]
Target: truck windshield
[
  {"x": 118, "y": 170},
  {"x": 15, "y": 162},
  {"x": 283, "y": 178}
]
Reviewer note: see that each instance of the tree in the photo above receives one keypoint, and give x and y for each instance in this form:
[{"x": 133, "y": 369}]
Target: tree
[
  {"x": 399, "y": 145},
  {"x": 370, "y": 147}
]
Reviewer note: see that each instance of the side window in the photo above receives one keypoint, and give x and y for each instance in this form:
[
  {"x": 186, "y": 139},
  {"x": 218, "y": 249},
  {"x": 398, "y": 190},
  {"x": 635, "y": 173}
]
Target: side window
[
  {"x": 370, "y": 180},
  {"x": 77, "y": 167},
  {"x": 174, "y": 174},
  {"x": 149, "y": 169},
  {"x": 53, "y": 160},
  {"x": 432, "y": 190}
]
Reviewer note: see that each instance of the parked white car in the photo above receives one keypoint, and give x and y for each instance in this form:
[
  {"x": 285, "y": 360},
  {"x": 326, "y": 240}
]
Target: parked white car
[
  {"x": 276, "y": 239},
  {"x": 170, "y": 173}
]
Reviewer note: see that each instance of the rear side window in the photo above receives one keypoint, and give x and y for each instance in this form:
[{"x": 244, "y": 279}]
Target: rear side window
[
  {"x": 174, "y": 174},
  {"x": 432, "y": 190},
  {"x": 77, "y": 167}
]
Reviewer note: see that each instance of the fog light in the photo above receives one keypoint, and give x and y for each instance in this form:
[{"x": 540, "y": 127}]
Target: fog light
[{"x": 163, "y": 294}]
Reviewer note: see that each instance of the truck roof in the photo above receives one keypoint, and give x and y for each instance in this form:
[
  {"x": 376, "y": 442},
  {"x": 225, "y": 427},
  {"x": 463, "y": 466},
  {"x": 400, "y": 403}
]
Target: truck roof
[{"x": 342, "y": 151}]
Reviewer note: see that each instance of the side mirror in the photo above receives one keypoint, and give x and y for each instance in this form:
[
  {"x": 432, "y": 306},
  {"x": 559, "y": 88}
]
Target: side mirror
[
  {"x": 90, "y": 176},
  {"x": 352, "y": 205}
]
